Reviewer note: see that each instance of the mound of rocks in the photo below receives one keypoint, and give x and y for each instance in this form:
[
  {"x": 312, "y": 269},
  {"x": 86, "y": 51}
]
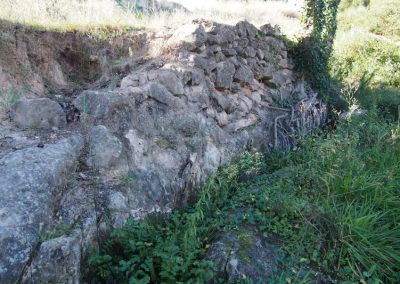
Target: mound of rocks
[{"x": 215, "y": 91}]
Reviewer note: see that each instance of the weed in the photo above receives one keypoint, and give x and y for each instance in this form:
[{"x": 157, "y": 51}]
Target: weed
[
  {"x": 114, "y": 81},
  {"x": 62, "y": 229},
  {"x": 127, "y": 180}
]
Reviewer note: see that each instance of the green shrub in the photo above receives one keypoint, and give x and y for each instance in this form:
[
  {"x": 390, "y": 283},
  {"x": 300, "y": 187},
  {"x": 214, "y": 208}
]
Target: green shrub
[
  {"x": 311, "y": 54},
  {"x": 380, "y": 17},
  {"x": 151, "y": 252},
  {"x": 367, "y": 62},
  {"x": 356, "y": 55}
]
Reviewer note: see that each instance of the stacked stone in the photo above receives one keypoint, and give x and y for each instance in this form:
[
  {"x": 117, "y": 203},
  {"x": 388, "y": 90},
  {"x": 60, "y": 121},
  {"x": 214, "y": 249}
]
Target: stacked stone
[{"x": 236, "y": 67}]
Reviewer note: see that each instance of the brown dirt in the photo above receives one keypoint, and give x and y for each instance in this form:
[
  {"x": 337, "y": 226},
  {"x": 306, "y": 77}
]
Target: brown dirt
[{"x": 43, "y": 62}]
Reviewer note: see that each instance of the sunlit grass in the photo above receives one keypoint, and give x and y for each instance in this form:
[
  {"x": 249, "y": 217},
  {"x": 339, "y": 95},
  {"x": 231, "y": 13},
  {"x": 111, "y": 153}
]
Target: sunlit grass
[
  {"x": 380, "y": 17},
  {"x": 81, "y": 15},
  {"x": 367, "y": 53}
]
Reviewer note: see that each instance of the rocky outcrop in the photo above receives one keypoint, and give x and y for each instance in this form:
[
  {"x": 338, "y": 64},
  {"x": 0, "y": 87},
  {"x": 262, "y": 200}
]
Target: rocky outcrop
[
  {"x": 31, "y": 179},
  {"x": 149, "y": 143}
]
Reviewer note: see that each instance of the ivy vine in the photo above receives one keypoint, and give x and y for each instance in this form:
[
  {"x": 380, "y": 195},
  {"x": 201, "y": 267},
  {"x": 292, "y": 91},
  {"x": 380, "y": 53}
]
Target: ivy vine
[{"x": 313, "y": 51}]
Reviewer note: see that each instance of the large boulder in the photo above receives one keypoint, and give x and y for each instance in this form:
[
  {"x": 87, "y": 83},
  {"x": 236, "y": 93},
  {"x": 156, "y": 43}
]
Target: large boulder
[
  {"x": 38, "y": 113},
  {"x": 30, "y": 181},
  {"x": 100, "y": 105}
]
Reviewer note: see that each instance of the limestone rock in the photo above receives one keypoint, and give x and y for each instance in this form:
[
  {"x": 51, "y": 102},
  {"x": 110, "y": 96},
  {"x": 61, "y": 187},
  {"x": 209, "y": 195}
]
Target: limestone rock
[
  {"x": 57, "y": 261},
  {"x": 106, "y": 151},
  {"x": 208, "y": 65},
  {"x": 224, "y": 75},
  {"x": 269, "y": 30},
  {"x": 162, "y": 95},
  {"x": 244, "y": 75},
  {"x": 119, "y": 208},
  {"x": 192, "y": 76},
  {"x": 134, "y": 80},
  {"x": 30, "y": 180},
  {"x": 38, "y": 113},
  {"x": 245, "y": 29},
  {"x": 171, "y": 82},
  {"x": 229, "y": 52},
  {"x": 222, "y": 118},
  {"x": 248, "y": 51},
  {"x": 99, "y": 104},
  {"x": 215, "y": 39},
  {"x": 242, "y": 123}
]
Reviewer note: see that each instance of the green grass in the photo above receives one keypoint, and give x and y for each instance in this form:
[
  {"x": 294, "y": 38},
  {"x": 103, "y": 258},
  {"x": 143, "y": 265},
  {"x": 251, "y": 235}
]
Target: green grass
[
  {"x": 366, "y": 55},
  {"x": 380, "y": 17},
  {"x": 356, "y": 55}
]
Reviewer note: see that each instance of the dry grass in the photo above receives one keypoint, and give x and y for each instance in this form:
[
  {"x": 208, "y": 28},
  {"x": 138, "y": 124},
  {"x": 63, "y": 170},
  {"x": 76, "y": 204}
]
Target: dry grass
[{"x": 75, "y": 14}]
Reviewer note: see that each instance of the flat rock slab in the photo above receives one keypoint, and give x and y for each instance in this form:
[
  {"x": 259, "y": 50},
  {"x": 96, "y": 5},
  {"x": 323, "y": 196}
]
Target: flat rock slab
[{"x": 29, "y": 182}]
